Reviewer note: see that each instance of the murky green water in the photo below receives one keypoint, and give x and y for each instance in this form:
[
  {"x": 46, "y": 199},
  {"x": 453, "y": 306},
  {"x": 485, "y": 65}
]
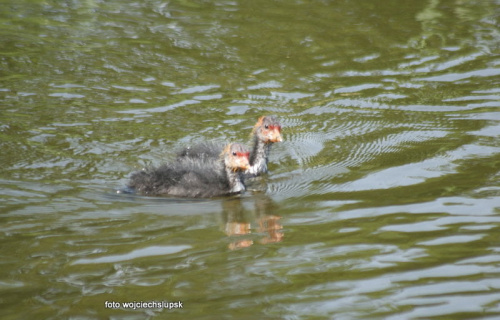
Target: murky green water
[{"x": 382, "y": 202}]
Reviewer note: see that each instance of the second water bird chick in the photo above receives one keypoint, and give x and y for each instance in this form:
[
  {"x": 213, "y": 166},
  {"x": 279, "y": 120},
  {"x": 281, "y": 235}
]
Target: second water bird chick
[
  {"x": 266, "y": 131},
  {"x": 196, "y": 178}
]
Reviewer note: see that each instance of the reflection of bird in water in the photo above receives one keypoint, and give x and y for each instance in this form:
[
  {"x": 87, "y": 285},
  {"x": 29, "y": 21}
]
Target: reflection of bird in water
[
  {"x": 266, "y": 131},
  {"x": 268, "y": 222},
  {"x": 271, "y": 225},
  {"x": 237, "y": 222},
  {"x": 196, "y": 177}
]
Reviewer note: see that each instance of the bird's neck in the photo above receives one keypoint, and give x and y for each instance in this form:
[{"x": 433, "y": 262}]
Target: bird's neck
[
  {"x": 258, "y": 157},
  {"x": 234, "y": 180}
]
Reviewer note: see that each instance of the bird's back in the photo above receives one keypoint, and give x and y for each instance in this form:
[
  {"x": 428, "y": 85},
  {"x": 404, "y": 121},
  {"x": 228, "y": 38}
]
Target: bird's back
[{"x": 186, "y": 177}]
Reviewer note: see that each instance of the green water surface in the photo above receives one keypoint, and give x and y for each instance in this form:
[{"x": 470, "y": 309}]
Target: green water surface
[{"x": 382, "y": 202}]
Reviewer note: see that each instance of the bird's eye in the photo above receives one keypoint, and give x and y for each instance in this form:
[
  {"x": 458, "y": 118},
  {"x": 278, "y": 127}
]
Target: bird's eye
[
  {"x": 234, "y": 154},
  {"x": 266, "y": 126}
]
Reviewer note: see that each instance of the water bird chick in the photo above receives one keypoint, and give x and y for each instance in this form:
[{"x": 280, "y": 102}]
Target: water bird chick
[
  {"x": 196, "y": 177},
  {"x": 266, "y": 131}
]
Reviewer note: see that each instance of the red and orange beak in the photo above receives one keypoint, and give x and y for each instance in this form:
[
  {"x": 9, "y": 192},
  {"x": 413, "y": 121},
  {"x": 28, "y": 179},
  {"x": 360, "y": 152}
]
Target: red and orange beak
[
  {"x": 242, "y": 160},
  {"x": 274, "y": 134}
]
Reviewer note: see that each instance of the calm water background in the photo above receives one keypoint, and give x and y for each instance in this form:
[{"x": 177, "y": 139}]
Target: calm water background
[{"x": 382, "y": 202}]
